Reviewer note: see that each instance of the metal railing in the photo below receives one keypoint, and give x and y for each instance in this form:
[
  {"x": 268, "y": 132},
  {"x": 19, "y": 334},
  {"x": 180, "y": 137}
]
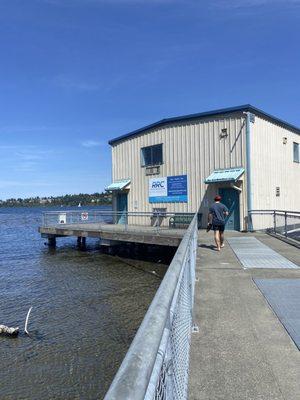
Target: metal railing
[
  {"x": 279, "y": 222},
  {"x": 156, "y": 365},
  {"x": 125, "y": 220}
]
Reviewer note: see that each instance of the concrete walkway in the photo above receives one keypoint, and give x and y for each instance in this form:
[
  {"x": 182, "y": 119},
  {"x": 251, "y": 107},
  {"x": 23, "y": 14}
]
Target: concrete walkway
[{"x": 242, "y": 351}]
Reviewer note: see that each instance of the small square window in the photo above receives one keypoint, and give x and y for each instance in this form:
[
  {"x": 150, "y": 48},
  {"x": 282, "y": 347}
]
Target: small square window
[
  {"x": 296, "y": 152},
  {"x": 152, "y": 155}
]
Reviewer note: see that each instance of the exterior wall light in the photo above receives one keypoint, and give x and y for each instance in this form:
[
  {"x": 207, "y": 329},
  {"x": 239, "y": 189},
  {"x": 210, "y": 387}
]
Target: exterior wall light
[{"x": 223, "y": 133}]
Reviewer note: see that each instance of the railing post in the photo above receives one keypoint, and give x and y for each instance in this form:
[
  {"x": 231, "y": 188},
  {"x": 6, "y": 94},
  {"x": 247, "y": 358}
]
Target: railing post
[
  {"x": 250, "y": 223},
  {"x": 274, "y": 221},
  {"x": 285, "y": 224},
  {"x": 157, "y": 222}
]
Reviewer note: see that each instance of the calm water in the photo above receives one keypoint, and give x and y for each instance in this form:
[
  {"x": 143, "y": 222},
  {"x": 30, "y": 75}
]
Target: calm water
[{"x": 87, "y": 307}]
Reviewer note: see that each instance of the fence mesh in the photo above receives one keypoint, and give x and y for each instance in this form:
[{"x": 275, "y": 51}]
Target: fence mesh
[{"x": 172, "y": 379}]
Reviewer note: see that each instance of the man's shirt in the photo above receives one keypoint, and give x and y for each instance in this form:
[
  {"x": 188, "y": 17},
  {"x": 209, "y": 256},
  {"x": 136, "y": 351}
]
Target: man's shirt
[{"x": 218, "y": 211}]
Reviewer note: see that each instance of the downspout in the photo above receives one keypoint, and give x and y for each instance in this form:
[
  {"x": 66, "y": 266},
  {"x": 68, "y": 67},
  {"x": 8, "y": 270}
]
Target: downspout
[{"x": 248, "y": 171}]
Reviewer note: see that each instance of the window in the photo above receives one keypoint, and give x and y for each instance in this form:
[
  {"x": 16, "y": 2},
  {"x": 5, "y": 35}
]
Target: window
[
  {"x": 296, "y": 149},
  {"x": 152, "y": 155}
]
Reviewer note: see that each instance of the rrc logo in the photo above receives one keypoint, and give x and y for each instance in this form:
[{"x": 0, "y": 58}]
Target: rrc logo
[{"x": 158, "y": 184}]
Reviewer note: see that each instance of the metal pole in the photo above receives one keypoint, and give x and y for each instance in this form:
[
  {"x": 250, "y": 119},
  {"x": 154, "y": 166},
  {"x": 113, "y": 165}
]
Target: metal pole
[
  {"x": 274, "y": 221},
  {"x": 248, "y": 170},
  {"x": 285, "y": 223}
]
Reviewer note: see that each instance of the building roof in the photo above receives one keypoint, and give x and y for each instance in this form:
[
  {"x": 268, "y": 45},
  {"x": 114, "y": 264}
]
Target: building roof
[
  {"x": 118, "y": 185},
  {"x": 225, "y": 175},
  {"x": 221, "y": 111}
]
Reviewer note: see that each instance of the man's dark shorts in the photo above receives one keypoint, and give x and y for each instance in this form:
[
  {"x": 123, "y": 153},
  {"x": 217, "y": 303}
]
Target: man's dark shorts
[{"x": 218, "y": 227}]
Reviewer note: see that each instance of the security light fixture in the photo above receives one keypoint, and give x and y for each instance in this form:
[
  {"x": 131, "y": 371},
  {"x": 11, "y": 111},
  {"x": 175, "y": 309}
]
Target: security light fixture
[{"x": 223, "y": 133}]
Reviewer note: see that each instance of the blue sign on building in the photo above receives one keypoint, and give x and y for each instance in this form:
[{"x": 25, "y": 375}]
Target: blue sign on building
[{"x": 171, "y": 189}]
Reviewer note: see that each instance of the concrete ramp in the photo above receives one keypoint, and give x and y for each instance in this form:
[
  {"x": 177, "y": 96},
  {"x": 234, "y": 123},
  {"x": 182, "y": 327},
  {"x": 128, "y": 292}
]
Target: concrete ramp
[
  {"x": 254, "y": 254},
  {"x": 283, "y": 295}
]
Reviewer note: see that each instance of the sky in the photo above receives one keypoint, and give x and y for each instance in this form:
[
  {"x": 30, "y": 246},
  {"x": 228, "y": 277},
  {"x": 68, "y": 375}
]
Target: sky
[{"x": 76, "y": 73}]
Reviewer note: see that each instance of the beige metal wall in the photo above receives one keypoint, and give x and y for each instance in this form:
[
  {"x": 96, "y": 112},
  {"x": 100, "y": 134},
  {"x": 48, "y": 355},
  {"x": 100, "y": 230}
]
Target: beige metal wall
[
  {"x": 191, "y": 148},
  {"x": 272, "y": 166}
]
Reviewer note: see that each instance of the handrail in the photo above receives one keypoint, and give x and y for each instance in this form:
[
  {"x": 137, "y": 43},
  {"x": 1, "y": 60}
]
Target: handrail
[
  {"x": 155, "y": 219},
  {"x": 272, "y": 211},
  {"x": 133, "y": 213},
  {"x": 140, "y": 363},
  {"x": 284, "y": 223}
]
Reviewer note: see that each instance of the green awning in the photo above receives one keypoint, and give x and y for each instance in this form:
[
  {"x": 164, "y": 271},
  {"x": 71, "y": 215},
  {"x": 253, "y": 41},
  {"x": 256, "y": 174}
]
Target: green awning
[
  {"x": 118, "y": 185},
  {"x": 225, "y": 175}
]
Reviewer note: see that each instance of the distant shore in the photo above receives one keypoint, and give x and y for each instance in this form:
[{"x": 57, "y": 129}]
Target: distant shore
[
  {"x": 2, "y": 205},
  {"x": 82, "y": 199}
]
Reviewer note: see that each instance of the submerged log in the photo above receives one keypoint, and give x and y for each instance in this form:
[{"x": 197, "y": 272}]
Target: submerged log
[{"x": 9, "y": 331}]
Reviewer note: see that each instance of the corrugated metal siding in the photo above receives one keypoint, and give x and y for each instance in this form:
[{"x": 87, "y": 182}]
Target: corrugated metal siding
[
  {"x": 192, "y": 148},
  {"x": 272, "y": 166}
]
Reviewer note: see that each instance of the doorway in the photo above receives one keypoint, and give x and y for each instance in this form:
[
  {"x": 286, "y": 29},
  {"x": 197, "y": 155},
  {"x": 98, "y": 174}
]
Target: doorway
[
  {"x": 230, "y": 197},
  {"x": 122, "y": 208}
]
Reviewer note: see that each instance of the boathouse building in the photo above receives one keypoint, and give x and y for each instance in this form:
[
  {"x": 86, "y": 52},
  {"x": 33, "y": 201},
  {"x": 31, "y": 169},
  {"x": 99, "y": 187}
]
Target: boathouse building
[{"x": 179, "y": 164}]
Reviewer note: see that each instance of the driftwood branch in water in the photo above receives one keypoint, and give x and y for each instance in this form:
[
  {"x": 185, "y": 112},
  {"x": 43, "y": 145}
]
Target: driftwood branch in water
[
  {"x": 26, "y": 322},
  {"x": 9, "y": 331}
]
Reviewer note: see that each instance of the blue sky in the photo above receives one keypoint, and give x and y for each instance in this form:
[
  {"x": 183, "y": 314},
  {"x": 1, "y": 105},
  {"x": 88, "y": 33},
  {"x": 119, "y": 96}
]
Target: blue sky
[{"x": 76, "y": 73}]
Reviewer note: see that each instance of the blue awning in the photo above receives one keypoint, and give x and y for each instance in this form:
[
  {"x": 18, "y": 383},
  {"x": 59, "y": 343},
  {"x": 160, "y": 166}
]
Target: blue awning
[
  {"x": 225, "y": 175},
  {"x": 118, "y": 185}
]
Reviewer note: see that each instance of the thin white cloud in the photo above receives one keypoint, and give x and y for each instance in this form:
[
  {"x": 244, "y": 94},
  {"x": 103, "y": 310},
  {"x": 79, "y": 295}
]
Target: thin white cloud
[
  {"x": 5, "y": 183},
  {"x": 32, "y": 154},
  {"x": 240, "y": 4},
  {"x": 22, "y": 158},
  {"x": 111, "y": 2},
  {"x": 92, "y": 143},
  {"x": 68, "y": 82}
]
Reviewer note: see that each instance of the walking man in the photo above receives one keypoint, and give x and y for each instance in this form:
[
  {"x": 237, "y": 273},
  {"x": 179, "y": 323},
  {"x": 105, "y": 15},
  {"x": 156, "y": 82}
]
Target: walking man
[{"x": 216, "y": 218}]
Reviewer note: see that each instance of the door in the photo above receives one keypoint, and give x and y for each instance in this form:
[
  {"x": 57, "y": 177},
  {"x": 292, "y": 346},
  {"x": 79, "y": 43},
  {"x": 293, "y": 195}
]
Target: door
[
  {"x": 122, "y": 207},
  {"x": 230, "y": 198}
]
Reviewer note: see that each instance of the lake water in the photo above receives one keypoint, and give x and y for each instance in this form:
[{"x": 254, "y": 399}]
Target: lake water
[{"x": 87, "y": 307}]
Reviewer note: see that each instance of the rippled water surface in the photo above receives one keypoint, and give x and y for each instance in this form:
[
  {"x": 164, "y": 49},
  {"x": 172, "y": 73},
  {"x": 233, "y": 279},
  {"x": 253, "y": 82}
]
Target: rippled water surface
[{"x": 87, "y": 307}]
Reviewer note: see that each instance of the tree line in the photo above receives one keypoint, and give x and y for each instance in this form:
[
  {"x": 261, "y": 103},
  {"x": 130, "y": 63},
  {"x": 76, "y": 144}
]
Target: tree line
[{"x": 83, "y": 199}]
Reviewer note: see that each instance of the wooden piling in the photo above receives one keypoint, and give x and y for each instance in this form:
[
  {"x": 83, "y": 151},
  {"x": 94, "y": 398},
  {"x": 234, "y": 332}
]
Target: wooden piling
[{"x": 52, "y": 241}]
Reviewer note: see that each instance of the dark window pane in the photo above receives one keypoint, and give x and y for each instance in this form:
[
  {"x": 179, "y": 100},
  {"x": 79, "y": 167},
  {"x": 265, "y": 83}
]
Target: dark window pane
[
  {"x": 296, "y": 152},
  {"x": 152, "y": 155},
  {"x": 146, "y": 156},
  {"x": 157, "y": 154}
]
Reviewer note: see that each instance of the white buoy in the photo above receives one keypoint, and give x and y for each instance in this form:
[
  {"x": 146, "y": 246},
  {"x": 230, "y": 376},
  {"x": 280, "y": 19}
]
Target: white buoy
[{"x": 26, "y": 322}]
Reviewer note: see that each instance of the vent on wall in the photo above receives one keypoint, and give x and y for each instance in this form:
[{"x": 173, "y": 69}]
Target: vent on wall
[
  {"x": 152, "y": 170},
  {"x": 277, "y": 191}
]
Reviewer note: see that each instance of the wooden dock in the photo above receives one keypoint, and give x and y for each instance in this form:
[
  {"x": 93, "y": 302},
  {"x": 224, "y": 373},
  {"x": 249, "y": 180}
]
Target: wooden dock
[{"x": 114, "y": 233}]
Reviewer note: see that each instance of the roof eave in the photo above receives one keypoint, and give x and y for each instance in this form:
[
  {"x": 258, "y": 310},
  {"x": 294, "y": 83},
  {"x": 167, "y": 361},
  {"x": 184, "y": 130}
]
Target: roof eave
[{"x": 242, "y": 108}]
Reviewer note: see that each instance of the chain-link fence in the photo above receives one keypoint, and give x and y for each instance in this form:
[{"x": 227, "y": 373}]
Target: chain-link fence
[
  {"x": 156, "y": 366},
  {"x": 172, "y": 376}
]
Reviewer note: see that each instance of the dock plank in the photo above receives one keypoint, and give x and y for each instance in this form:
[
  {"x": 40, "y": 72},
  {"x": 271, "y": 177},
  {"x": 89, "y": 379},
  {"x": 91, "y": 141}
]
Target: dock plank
[
  {"x": 130, "y": 233},
  {"x": 242, "y": 351}
]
